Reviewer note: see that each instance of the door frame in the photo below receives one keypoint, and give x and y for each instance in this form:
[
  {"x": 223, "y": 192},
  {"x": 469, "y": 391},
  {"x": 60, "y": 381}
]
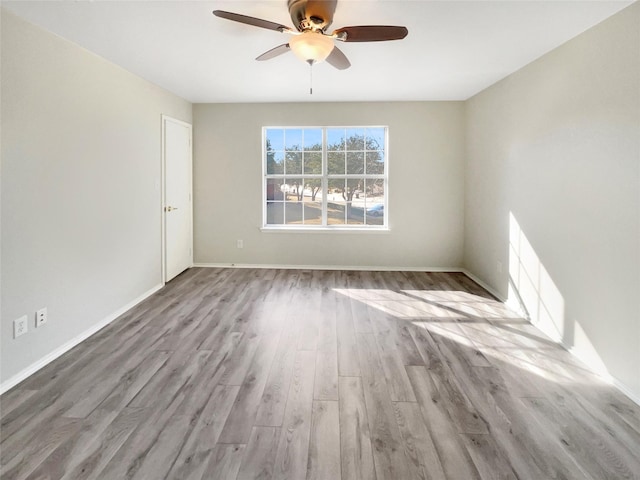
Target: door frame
[{"x": 163, "y": 179}]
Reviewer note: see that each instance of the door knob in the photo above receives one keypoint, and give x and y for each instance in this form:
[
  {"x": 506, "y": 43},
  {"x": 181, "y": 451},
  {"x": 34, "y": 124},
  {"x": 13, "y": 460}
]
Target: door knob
[{"x": 170, "y": 208}]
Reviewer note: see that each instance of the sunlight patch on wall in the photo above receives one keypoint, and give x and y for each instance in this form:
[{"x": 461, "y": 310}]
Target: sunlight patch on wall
[
  {"x": 584, "y": 350},
  {"x": 532, "y": 286}
]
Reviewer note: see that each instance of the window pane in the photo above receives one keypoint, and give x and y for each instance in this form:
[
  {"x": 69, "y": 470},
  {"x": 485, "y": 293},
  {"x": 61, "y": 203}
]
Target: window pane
[
  {"x": 313, "y": 190},
  {"x": 355, "y": 162},
  {"x": 313, "y": 139},
  {"x": 312, "y": 202},
  {"x": 275, "y": 139},
  {"x": 293, "y": 205},
  {"x": 375, "y": 138},
  {"x": 293, "y": 163},
  {"x": 275, "y": 189},
  {"x": 355, "y": 201},
  {"x": 293, "y": 213},
  {"x": 275, "y": 205},
  {"x": 336, "y": 163},
  {"x": 275, "y": 163},
  {"x": 275, "y": 213},
  {"x": 335, "y": 139},
  {"x": 374, "y": 202},
  {"x": 293, "y": 139},
  {"x": 313, "y": 163},
  {"x": 355, "y": 138},
  {"x": 293, "y": 189},
  {"x": 336, "y": 204},
  {"x": 313, "y": 213},
  {"x": 375, "y": 163}
]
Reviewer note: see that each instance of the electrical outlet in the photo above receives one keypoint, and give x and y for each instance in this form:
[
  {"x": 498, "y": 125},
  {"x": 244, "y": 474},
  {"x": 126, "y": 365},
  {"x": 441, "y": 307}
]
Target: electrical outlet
[
  {"x": 41, "y": 317},
  {"x": 240, "y": 244},
  {"x": 20, "y": 326}
]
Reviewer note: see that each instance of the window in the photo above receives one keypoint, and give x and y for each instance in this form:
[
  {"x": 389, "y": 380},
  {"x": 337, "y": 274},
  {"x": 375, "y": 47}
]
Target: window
[{"x": 325, "y": 177}]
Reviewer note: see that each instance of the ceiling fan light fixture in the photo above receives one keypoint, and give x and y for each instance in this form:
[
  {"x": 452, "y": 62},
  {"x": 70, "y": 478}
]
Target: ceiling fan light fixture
[{"x": 311, "y": 46}]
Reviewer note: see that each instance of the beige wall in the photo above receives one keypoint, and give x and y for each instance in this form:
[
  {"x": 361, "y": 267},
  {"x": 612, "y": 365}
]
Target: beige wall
[
  {"x": 425, "y": 186},
  {"x": 553, "y": 187},
  {"x": 81, "y": 166}
]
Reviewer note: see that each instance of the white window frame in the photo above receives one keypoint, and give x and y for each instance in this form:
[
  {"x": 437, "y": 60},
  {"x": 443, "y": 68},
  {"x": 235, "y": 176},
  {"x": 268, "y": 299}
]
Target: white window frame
[{"x": 325, "y": 177}]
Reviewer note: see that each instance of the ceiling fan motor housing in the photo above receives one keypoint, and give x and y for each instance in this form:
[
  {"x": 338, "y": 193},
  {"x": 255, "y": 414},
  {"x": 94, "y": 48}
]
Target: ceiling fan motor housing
[{"x": 311, "y": 14}]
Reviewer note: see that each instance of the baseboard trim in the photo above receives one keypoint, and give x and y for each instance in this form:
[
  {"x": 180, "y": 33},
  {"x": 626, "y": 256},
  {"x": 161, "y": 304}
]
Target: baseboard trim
[
  {"x": 624, "y": 389},
  {"x": 603, "y": 373},
  {"x": 47, "y": 359},
  {"x": 329, "y": 267},
  {"x": 366, "y": 268},
  {"x": 484, "y": 285}
]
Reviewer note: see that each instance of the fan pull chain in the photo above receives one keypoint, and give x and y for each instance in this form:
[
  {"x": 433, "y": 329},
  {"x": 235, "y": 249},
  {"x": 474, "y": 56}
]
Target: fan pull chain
[{"x": 311, "y": 62}]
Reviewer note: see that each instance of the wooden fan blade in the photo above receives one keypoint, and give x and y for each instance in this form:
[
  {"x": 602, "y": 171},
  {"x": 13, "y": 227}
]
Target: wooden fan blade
[
  {"x": 338, "y": 59},
  {"x": 274, "y": 52},
  {"x": 370, "y": 33},
  {"x": 256, "y": 22}
]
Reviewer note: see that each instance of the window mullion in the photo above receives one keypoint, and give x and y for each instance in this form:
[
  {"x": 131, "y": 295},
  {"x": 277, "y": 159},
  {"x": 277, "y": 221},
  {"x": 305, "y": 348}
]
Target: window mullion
[{"x": 325, "y": 184}]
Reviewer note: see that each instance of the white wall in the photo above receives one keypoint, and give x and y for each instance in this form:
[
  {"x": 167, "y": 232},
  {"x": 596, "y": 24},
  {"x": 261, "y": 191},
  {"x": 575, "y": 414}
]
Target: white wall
[
  {"x": 553, "y": 167},
  {"x": 425, "y": 186},
  {"x": 81, "y": 166}
]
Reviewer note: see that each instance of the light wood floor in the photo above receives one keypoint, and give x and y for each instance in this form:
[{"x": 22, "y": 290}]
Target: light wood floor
[{"x": 246, "y": 374}]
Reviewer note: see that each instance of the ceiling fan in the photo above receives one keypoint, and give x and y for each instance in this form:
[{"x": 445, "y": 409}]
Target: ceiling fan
[{"x": 310, "y": 41}]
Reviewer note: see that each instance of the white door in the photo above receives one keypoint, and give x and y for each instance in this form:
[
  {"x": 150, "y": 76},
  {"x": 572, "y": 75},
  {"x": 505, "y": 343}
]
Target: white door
[{"x": 177, "y": 210}]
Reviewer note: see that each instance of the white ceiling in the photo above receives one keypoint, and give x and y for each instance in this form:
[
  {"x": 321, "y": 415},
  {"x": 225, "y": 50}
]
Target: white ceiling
[{"x": 454, "y": 48}]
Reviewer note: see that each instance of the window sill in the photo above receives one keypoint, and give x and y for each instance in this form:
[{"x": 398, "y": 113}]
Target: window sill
[{"x": 380, "y": 230}]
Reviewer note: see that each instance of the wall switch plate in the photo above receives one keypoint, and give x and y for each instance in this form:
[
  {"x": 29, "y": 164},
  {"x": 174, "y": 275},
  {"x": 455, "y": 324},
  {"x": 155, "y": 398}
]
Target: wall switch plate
[
  {"x": 20, "y": 326},
  {"x": 499, "y": 267},
  {"x": 240, "y": 244},
  {"x": 41, "y": 317}
]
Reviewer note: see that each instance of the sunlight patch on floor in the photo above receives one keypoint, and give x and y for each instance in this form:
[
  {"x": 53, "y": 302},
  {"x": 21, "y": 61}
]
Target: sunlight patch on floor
[{"x": 411, "y": 304}]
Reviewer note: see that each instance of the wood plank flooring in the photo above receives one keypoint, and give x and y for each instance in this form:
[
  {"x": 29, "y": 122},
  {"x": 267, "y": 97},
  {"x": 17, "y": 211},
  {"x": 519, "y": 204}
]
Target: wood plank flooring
[{"x": 298, "y": 374}]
